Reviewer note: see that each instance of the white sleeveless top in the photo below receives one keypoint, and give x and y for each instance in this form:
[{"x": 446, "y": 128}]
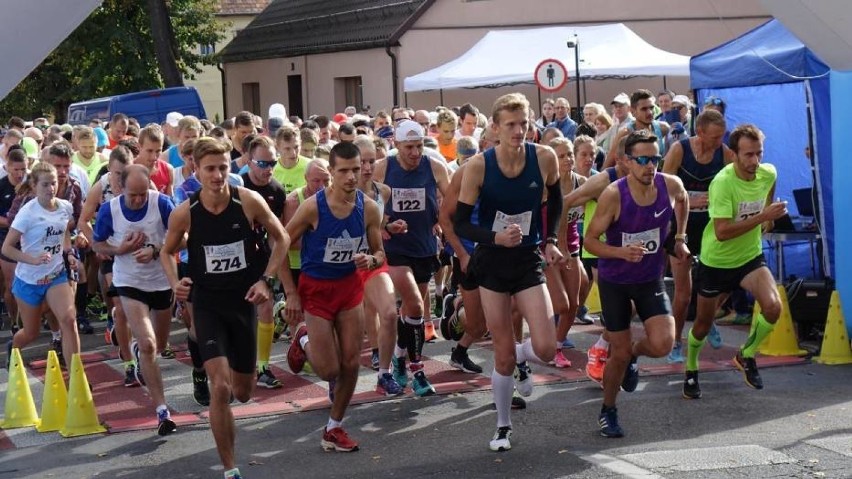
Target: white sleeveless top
[{"x": 126, "y": 271}]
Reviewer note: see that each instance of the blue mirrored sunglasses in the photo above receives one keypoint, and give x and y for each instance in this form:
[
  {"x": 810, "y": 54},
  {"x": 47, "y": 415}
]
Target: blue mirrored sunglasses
[
  {"x": 713, "y": 101},
  {"x": 264, "y": 164},
  {"x": 644, "y": 160}
]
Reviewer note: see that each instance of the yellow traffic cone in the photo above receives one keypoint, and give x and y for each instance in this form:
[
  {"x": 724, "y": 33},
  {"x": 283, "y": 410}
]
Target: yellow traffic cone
[
  {"x": 80, "y": 418},
  {"x": 782, "y": 340},
  {"x": 835, "y": 343},
  {"x": 593, "y": 302},
  {"x": 55, "y": 401},
  {"x": 20, "y": 407}
]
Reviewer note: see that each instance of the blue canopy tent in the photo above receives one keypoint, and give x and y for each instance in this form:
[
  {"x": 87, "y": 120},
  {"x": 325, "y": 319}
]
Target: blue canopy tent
[{"x": 768, "y": 77}]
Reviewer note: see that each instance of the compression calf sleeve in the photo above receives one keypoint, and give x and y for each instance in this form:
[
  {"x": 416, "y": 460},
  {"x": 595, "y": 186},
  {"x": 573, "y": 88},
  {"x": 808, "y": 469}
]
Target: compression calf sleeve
[
  {"x": 695, "y": 346},
  {"x": 501, "y": 388},
  {"x": 264, "y": 343},
  {"x": 761, "y": 330}
]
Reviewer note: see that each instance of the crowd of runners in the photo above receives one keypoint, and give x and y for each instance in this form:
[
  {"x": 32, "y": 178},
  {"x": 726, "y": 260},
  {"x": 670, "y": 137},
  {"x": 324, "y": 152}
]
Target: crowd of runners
[{"x": 328, "y": 232}]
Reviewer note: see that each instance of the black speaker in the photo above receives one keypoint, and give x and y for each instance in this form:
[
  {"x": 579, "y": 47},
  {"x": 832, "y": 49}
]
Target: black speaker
[{"x": 809, "y": 301}]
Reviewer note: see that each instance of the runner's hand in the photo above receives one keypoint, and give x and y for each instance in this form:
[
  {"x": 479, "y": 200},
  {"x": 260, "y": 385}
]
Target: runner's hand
[
  {"x": 633, "y": 253},
  {"x": 144, "y": 255},
  {"x": 258, "y": 293},
  {"x": 681, "y": 251},
  {"x": 293, "y": 308},
  {"x": 397, "y": 227},
  {"x": 552, "y": 254},
  {"x": 775, "y": 210},
  {"x": 510, "y": 237},
  {"x": 182, "y": 289},
  {"x": 81, "y": 242},
  {"x": 363, "y": 261}
]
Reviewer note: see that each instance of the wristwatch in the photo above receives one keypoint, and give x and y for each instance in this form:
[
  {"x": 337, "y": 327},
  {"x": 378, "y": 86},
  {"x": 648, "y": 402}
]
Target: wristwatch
[
  {"x": 553, "y": 241},
  {"x": 682, "y": 237},
  {"x": 270, "y": 282}
]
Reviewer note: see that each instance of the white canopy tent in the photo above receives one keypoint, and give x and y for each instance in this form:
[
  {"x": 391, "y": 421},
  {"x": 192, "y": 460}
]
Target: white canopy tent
[
  {"x": 509, "y": 57},
  {"x": 29, "y": 31}
]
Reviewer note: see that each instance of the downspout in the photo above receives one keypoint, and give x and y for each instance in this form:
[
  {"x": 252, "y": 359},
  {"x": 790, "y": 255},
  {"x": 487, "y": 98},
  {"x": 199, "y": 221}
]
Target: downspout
[
  {"x": 224, "y": 91},
  {"x": 394, "y": 74}
]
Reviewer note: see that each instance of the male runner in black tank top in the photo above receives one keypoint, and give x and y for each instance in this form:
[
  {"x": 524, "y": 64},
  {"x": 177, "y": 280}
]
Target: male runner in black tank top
[
  {"x": 227, "y": 277},
  {"x": 696, "y": 168}
]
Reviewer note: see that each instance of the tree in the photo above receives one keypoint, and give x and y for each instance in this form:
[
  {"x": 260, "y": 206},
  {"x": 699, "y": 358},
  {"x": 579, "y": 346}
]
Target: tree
[{"x": 115, "y": 51}]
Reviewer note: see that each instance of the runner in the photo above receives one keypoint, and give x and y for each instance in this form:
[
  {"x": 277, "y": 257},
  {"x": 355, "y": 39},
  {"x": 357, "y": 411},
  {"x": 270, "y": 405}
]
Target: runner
[
  {"x": 16, "y": 171},
  {"x": 43, "y": 257},
  {"x": 414, "y": 179},
  {"x": 379, "y": 296},
  {"x": 642, "y": 110},
  {"x": 740, "y": 207},
  {"x": 334, "y": 224},
  {"x": 635, "y": 213},
  {"x": 227, "y": 277},
  {"x": 131, "y": 228},
  {"x": 509, "y": 182}
]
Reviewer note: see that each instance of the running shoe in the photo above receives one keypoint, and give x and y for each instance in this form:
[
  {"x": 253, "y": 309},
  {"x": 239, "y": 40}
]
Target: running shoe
[
  {"x": 583, "y": 316},
  {"x": 749, "y": 368},
  {"x": 130, "y": 380},
  {"x": 168, "y": 352},
  {"x": 387, "y": 386},
  {"x": 337, "y": 440},
  {"x": 714, "y": 337},
  {"x": 200, "y": 388},
  {"x": 448, "y": 305},
  {"x": 429, "y": 331},
  {"x": 400, "y": 373},
  {"x": 523, "y": 379},
  {"x": 165, "y": 424},
  {"x": 501, "y": 440},
  {"x": 676, "y": 355},
  {"x": 296, "y": 356},
  {"x": 83, "y": 325},
  {"x": 560, "y": 361},
  {"x": 691, "y": 389},
  {"x": 608, "y": 422},
  {"x": 233, "y": 474},
  {"x": 374, "y": 360},
  {"x": 110, "y": 330},
  {"x": 518, "y": 402},
  {"x": 280, "y": 325},
  {"x": 631, "y": 376},
  {"x": 461, "y": 361},
  {"x": 267, "y": 379},
  {"x": 568, "y": 344},
  {"x": 596, "y": 361},
  {"x": 56, "y": 345},
  {"x": 421, "y": 385},
  {"x": 742, "y": 319}
]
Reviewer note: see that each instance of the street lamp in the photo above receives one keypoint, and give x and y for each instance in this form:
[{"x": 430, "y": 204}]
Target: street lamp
[{"x": 575, "y": 45}]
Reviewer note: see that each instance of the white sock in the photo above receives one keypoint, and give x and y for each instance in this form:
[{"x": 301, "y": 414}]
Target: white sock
[
  {"x": 56, "y": 335},
  {"x": 383, "y": 371},
  {"x": 602, "y": 343},
  {"x": 332, "y": 424},
  {"x": 524, "y": 352},
  {"x": 303, "y": 341},
  {"x": 229, "y": 474},
  {"x": 501, "y": 388},
  {"x": 398, "y": 352},
  {"x": 161, "y": 408}
]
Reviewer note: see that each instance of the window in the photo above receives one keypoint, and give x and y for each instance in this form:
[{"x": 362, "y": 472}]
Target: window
[
  {"x": 208, "y": 49},
  {"x": 251, "y": 97}
]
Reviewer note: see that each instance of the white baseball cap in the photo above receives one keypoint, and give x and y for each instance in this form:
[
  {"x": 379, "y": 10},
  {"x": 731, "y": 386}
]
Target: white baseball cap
[
  {"x": 173, "y": 118},
  {"x": 621, "y": 98},
  {"x": 408, "y": 130},
  {"x": 277, "y": 110},
  {"x": 682, "y": 100}
]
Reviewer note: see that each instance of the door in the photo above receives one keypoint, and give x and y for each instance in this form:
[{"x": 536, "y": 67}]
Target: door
[{"x": 294, "y": 95}]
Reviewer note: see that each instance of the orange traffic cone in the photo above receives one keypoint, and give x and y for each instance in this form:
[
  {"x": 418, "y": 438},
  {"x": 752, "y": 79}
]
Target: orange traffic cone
[
  {"x": 80, "y": 417},
  {"x": 835, "y": 342},
  {"x": 55, "y": 402},
  {"x": 593, "y": 302},
  {"x": 20, "y": 408},
  {"x": 782, "y": 340}
]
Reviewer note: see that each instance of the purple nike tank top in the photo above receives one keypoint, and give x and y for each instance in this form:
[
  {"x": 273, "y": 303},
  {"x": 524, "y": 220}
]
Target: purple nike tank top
[{"x": 646, "y": 224}]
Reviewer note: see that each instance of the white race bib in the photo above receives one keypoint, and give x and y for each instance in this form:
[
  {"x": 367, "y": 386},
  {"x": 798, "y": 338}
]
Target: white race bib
[
  {"x": 575, "y": 214},
  {"x": 502, "y": 221},
  {"x": 225, "y": 258},
  {"x": 650, "y": 239},
  {"x": 696, "y": 194},
  {"x": 747, "y": 209},
  {"x": 408, "y": 200},
  {"x": 341, "y": 250}
]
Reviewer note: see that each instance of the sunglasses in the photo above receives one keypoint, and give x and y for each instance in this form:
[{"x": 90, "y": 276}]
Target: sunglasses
[
  {"x": 714, "y": 101},
  {"x": 644, "y": 160},
  {"x": 263, "y": 163}
]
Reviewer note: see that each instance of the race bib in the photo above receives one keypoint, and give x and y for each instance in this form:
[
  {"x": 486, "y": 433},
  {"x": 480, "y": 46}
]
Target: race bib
[
  {"x": 225, "y": 258},
  {"x": 341, "y": 250},
  {"x": 575, "y": 214},
  {"x": 650, "y": 239},
  {"x": 747, "y": 209},
  {"x": 408, "y": 200},
  {"x": 502, "y": 221},
  {"x": 696, "y": 194}
]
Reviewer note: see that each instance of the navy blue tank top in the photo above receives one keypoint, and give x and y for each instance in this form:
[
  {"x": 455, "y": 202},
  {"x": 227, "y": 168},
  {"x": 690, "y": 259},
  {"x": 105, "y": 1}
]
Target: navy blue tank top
[
  {"x": 503, "y": 201},
  {"x": 414, "y": 199},
  {"x": 696, "y": 177},
  {"x": 328, "y": 251},
  {"x": 638, "y": 224}
]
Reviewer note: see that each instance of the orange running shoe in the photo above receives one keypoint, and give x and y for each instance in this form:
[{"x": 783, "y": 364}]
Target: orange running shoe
[{"x": 597, "y": 357}]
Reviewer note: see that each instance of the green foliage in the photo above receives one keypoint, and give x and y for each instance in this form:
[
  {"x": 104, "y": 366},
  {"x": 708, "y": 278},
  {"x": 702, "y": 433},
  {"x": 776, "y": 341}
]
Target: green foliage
[{"x": 112, "y": 52}]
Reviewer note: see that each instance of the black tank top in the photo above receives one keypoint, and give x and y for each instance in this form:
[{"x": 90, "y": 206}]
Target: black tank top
[
  {"x": 697, "y": 176},
  {"x": 223, "y": 253}
]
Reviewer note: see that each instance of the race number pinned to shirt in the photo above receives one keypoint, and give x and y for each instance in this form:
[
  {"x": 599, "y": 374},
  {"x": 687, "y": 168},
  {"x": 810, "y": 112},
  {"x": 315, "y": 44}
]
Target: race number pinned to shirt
[
  {"x": 341, "y": 250},
  {"x": 503, "y": 221},
  {"x": 747, "y": 209},
  {"x": 650, "y": 239},
  {"x": 692, "y": 196},
  {"x": 408, "y": 200},
  {"x": 575, "y": 214},
  {"x": 225, "y": 258}
]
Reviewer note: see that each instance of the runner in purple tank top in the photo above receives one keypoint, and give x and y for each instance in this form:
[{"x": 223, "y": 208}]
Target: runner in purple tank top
[{"x": 635, "y": 213}]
